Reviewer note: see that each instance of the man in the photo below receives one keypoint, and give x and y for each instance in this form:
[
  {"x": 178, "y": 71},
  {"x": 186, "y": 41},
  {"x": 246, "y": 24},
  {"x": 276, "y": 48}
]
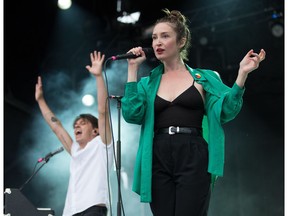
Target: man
[{"x": 91, "y": 152}]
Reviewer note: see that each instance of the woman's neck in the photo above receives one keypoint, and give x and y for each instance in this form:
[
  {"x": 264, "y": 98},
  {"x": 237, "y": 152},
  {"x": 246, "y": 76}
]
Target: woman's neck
[{"x": 175, "y": 66}]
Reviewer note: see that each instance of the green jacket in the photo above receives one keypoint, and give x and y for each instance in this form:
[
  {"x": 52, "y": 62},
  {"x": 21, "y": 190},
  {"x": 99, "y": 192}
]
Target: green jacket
[{"x": 222, "y": 104}]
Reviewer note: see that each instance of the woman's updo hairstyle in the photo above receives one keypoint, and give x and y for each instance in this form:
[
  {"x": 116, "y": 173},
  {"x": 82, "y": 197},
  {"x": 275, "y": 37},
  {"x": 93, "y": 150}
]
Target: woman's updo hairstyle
[{"x": 179, "y": 24}]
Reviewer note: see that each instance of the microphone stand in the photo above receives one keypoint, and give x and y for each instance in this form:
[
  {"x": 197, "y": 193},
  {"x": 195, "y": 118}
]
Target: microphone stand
[
  {"x": 45, "y": 159},
  {"x": 34, "y": 173},
  {"x": 118, "y": 159},
  {"x": 118, "y": 154}
]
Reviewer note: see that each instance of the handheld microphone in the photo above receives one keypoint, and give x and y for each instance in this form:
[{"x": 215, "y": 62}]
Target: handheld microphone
[
  {"x": 149, "y": 52},
  {"x": 51, "y": 154}
]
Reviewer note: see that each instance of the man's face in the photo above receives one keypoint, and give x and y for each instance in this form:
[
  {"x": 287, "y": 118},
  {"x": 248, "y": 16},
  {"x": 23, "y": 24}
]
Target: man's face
[{"x": 83, "y": 131}]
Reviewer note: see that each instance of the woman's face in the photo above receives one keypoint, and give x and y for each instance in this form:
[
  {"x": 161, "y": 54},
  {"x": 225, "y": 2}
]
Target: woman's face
[{"x": 164, "y": 42}]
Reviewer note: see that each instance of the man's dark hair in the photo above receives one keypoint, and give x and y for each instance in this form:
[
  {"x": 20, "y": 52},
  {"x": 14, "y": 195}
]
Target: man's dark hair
[{"x": 88, "y": 117}]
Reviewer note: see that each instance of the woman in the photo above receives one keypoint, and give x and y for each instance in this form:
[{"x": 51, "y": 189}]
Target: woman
[{"x": 175, "y": 165}]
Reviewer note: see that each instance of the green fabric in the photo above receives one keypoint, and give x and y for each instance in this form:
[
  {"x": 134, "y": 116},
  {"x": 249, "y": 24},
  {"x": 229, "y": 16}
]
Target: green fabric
[{"x": 222, "y": 104}]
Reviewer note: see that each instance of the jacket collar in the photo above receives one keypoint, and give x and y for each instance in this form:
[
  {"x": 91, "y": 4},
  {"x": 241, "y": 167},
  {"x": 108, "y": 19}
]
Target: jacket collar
[{"x": 196, "y": 73}]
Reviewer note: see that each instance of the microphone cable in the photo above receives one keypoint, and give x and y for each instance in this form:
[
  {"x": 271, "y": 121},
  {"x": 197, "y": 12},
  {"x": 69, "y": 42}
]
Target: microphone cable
[{"x": 33, "y": 173}]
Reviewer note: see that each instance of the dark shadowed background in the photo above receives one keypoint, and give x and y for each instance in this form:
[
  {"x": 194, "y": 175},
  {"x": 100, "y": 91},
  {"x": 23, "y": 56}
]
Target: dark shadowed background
[{"x": 41, "y": 39}]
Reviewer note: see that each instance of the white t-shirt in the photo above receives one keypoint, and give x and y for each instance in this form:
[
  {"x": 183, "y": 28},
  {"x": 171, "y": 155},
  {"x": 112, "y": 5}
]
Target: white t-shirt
[{"x": 88, "y": 183}]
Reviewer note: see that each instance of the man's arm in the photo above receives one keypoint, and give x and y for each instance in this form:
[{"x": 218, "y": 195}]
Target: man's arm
[
  {"x": 95, "y": 69},
  {"x": 51, "y": 119}
]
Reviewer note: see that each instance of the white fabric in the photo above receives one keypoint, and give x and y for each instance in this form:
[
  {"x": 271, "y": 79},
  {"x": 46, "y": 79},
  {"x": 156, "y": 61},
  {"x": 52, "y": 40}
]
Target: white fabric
[{"x": 88, "y": 183}]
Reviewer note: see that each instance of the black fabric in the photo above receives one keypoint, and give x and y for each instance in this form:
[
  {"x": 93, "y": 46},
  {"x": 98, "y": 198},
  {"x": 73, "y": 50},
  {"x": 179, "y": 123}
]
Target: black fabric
[
  {"x": 186, "y": 110},
  {"x": 180, "y": 181},
  {"x": 93, "y": 211}
]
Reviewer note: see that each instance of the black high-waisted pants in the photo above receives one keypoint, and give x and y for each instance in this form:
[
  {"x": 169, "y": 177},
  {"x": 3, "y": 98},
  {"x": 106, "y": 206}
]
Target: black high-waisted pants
[
  {"x": 93, "y": 211},
  {"x": 180, "y": 181}
]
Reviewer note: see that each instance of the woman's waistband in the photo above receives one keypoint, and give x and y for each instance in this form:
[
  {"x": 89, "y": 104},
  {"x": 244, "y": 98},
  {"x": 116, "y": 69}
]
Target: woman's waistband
[{"x": 179, "y": 130}]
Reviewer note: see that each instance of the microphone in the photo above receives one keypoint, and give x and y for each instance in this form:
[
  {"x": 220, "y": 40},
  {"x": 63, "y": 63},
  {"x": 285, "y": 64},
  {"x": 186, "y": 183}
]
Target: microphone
[
  {"x": 51, "y": 154},
  {"x": 149, "y": 52}
]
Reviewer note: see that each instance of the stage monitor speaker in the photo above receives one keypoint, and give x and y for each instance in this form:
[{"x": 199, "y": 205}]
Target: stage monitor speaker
[{"x": 16, "y": 204}]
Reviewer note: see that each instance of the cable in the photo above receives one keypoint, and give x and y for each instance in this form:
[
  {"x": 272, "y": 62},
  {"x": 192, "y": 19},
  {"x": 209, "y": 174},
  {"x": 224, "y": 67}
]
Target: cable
[
  {"x": 107, "y": 161},
  {"x": 33, "y": 174}
]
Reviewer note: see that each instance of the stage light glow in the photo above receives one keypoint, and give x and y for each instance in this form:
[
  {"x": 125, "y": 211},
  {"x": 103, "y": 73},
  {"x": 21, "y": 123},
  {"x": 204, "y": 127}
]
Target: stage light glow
[
  {"x": 88, "y": 100},
  {"x": 129, "y": 18},
  {"x": 277, "y": 29},
  {"x": 64, "y": 4}
]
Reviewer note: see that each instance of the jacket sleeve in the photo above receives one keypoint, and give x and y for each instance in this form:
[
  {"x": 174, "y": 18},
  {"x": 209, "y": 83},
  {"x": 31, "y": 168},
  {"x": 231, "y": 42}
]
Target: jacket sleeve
[
  {"x": 232, "y": 103},
  {"x": 228, "y": 101},
  {"x": 134, "y": 103}
]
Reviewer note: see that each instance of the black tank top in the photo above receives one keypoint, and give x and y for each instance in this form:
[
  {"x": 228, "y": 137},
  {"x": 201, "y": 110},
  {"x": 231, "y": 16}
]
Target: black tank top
[{"x": 186, "y": 110}]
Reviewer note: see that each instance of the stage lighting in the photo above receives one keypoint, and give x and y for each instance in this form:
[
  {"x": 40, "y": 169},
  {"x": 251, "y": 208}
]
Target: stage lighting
[
  {"x": 88, "y": 100},
  {"x": 203, "y": 40},
  {"x": 64, "y": 4},
  {"x": 129, "y": 18},
  {"x": 277, "y": 29},
  {"x": 276, "y": 24}
]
